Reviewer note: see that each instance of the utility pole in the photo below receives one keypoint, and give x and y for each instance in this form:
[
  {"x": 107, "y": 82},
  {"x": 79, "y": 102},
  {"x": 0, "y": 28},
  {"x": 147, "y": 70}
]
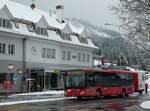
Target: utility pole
[
  {"x": 29, "y": 80},
  {"x": 44, "y": 79}
]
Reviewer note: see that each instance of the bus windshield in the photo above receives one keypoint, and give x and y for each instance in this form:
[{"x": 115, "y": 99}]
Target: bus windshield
[{"x": 75, "y": 81}]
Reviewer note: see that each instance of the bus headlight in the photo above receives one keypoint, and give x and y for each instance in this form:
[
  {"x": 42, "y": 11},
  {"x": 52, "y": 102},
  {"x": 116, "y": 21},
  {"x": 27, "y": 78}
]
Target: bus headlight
[
  {"x": 69, "y": 90},
  {"x": 82, "y": 92}
]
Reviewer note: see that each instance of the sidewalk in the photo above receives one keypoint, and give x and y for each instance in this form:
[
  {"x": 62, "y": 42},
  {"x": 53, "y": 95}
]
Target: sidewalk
[{"x": 146, "y": 104}]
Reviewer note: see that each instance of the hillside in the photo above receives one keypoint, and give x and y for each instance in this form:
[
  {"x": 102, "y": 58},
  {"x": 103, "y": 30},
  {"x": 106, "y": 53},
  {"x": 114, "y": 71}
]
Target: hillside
[{"x": 111, "y": 44}]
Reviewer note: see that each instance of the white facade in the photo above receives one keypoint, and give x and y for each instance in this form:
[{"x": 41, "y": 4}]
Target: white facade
[{"x": 31, "y": 39}]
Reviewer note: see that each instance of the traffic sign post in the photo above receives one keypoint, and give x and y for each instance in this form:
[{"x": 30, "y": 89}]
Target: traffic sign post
[{"x": 10, "y": 66}]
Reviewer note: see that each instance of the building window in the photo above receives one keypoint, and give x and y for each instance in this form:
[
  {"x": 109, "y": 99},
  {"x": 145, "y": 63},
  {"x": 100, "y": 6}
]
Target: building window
[
  {"x": 65, "y": 36},
  {"x": 79, "y": 56},
  {"x": 83, "y": 40},
  {"x": 53, "y": 53},
  {"x": 11, "y": 49},
  {"x": 43, "y": 53},
  {"x": 30, "y": 27},
  {"x": 48, "y": 53},
  {"x": 83, "y": 57},
  {"x": 2, "y": 48},
  {"x": 63, "y": 55},
  {"x": 41, "y": 31},
  {"x": 5, "y": 23},
  {"x": 88, "y": 58},
  {"x": 68, "y": 55}
]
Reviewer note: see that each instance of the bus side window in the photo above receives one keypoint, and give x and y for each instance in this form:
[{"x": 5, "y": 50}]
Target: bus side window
[
  {"x": 98, "y": 80},
  {"x": 90, "y": 80}
]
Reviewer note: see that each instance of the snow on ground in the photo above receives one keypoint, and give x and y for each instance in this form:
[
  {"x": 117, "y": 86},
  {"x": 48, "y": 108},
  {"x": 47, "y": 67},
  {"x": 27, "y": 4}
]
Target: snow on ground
[
  {"x": 145, "y": 105},
  {"x": 51, "y": 92},
  {"x": 32, "y": 101},
  {"x": 134, "y": 94}
]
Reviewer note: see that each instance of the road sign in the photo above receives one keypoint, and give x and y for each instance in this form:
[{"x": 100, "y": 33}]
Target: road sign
[{"x": 10, "y": 66}]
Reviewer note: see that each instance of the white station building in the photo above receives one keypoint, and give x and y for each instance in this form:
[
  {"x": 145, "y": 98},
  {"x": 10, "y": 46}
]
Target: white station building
[{"x": 39, "y": 45}]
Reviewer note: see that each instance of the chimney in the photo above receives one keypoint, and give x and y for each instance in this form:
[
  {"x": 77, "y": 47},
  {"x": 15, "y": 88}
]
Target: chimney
[
  {"x": 59, "y": 12},
  {"x": 33, "y": 5}
]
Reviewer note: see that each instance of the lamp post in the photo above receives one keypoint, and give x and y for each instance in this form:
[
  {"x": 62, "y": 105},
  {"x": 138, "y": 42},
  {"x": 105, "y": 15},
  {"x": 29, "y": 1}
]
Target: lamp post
[
  {"x": 29, "y": 77},
  {"x": 29, "y": 80},
  {"x": 44, "y": 79}
]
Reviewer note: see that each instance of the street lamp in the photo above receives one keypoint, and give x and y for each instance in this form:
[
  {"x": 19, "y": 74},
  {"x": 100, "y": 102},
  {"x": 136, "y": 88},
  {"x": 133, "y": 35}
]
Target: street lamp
[
  {"x": 29, "y": 72},
  {"x": 29, "y": 77},
  {"x": 44, "y": 80},
  {"x": 111, "y": 24}
]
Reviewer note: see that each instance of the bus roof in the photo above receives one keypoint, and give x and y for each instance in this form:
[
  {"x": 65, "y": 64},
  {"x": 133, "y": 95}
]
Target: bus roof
[{"x": 102, "y": 70}]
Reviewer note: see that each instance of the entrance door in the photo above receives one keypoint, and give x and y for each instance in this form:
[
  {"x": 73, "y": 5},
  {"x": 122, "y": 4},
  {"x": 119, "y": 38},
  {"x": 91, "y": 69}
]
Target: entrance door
[{"x": 53, "y": 80}]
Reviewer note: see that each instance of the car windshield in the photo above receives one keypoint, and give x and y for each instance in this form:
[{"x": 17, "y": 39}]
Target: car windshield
[{"x": 75, "y": 81}]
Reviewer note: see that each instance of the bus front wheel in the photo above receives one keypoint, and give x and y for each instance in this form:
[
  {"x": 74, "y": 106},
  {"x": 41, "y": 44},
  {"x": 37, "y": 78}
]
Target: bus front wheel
[
  {"x": 98, "y": 94},
  {"x": 124, "y": 94},
  {"x": 79, "y": 97}
]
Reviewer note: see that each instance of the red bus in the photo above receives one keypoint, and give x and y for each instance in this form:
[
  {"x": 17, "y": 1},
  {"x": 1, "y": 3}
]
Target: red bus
[{"x": 97, "y": 82}]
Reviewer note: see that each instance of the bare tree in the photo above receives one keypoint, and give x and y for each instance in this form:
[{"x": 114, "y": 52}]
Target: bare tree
[{"x": 135, "y": 17}]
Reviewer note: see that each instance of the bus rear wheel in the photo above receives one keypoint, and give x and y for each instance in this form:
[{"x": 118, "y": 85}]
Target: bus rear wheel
[{"x": 98, "y": 94}]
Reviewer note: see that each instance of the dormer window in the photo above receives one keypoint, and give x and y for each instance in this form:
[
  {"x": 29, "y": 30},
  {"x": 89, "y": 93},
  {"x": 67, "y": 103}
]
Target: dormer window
[
  {"x": 41, "y": 31},
  {"x": 30, "y": 27},
  {"x": 5, "y": 23},
  {"x": 65, "y": 36},
  {"x": 83, "y": 40}
]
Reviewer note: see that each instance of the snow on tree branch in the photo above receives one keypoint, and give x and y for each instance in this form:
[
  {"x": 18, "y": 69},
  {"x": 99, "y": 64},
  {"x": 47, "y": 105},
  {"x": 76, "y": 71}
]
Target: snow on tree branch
[{"x": 135, "y": 17}]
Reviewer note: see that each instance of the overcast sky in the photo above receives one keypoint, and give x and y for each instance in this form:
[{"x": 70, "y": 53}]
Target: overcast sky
[{"x": 94, "y": 11}]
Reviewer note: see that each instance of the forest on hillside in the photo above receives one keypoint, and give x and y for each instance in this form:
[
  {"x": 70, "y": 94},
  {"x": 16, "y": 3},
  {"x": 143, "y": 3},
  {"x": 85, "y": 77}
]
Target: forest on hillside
[{"x": 112, "y": 45}]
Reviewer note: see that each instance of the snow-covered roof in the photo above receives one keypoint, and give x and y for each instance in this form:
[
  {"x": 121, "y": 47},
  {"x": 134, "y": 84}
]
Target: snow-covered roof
[
  {"x": 74, "y": 29},
  {"x": 67, "y": 28},
  {"x": 24, "y": 12}
]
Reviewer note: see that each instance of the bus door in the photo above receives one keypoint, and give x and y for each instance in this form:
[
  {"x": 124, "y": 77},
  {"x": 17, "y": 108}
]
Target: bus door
[
  {"x": 140, "y": 80},
  {"x": 90, "y": 85}
]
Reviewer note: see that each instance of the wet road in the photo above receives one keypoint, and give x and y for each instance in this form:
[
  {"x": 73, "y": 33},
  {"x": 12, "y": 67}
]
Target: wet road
[{"x": 105, "y": 104}]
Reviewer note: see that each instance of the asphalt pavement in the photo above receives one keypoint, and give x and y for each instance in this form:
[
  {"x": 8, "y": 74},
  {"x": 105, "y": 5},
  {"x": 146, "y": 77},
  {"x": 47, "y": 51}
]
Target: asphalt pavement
[{"x": 131, "y": 103}]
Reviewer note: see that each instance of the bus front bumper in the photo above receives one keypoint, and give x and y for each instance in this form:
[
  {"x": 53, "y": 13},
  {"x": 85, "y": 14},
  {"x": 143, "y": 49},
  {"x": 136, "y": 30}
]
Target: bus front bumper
[{"x": 75, "y": 92}]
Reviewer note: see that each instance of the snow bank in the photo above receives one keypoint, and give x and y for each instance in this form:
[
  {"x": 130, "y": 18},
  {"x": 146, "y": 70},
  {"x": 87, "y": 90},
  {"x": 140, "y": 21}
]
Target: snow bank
[
  {"x": 145, "y": 105},
  {"x": 31, "y": 101},
  {"x": 38, "y": 93}
]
